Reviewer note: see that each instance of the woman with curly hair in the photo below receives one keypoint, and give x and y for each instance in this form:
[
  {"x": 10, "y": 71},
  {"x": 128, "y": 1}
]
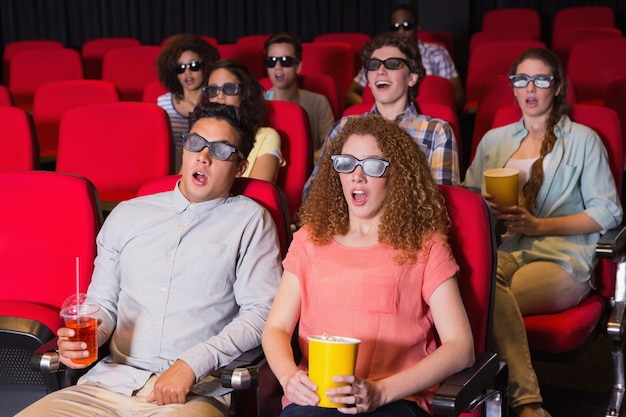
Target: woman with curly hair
[
  {"x": 546, "y": 257},
  {"x": 371, "y": 261},
  {"x": 230, "y": 82},
  {"x": 183, "y": 68}
]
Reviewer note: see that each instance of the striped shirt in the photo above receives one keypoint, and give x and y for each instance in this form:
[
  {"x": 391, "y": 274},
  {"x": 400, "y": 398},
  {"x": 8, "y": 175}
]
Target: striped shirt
[{"x": 180, "y": 123}]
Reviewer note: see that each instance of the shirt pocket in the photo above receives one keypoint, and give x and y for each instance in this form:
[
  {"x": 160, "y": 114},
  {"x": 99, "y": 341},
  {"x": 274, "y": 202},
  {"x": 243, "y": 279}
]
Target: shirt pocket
[
  {"x": 565, "y": 184},
  {"x": 209, "y": 272},
  {"x": 355, "y": 285},
  {"x": 379, "y": 294}
]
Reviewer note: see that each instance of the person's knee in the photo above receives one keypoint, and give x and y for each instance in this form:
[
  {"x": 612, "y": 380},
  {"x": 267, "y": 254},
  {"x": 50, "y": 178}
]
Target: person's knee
[{"x": 507, "y": 266}]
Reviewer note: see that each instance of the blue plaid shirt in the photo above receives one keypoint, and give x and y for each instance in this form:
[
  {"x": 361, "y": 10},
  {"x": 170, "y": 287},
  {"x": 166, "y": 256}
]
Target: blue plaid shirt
[{"x": 433, "y": 136}]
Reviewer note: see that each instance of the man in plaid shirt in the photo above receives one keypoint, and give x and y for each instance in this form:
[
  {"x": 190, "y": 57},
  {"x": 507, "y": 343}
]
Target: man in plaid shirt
[{"x": 394, "y": 70}]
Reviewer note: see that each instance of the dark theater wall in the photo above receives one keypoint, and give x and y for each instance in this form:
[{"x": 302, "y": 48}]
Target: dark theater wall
[{"x": 74, "y": 21}]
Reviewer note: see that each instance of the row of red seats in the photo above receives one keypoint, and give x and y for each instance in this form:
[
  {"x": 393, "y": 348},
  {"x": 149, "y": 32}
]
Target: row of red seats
[
  {"x": 93, "y": 51},
  {"x": 131, "y": 68},
  {"x": 596, "y": 75},
  {"x": 507, "y": 32},
  {"x": 589, "y": 86},
  {"x": 335, "y": 48},
  {"x": 525, "y": 23},
  {"x": 490, "y": 59},
  {"x": 82, "y": 126},
  {"x": 140, "y": 84}
]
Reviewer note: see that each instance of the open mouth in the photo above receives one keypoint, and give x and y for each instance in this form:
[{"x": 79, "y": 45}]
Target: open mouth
[
  {"x": 382, "y": 85},
  {"x": 359, "y": 197},
  {"x": 199, "y": 177},
  {"x": 532, "y": 101}
]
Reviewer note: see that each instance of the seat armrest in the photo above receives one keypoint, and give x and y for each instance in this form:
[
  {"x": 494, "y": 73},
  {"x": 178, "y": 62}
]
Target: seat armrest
[
  {"x": 612, "y": 242},
  {"x": 46, "y": 359},
  {"x": 242, "y": 373},
  {"x": 462, "y": 389}
]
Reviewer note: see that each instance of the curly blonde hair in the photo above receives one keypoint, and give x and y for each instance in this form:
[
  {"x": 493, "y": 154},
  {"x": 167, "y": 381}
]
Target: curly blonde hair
[{"x": 414, "y": 208}]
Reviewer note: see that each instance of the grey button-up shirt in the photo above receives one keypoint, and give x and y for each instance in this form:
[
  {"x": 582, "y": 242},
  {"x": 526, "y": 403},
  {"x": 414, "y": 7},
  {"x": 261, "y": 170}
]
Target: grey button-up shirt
[{"x": 177, "y": 280}]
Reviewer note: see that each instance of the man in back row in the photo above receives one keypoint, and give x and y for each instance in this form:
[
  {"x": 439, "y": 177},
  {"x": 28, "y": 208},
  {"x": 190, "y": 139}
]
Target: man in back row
[
  {"x": 283, "y": 59},
  {"x": 184, "y": 281}
]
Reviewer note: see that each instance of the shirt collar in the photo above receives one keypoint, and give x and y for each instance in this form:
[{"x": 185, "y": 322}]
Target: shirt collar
[
  {"x": 181, "y": 203},
  {"x": 560, "y": 129},
  {"x": 410, "y": 111},
  {"x": 564, "y": 126}
]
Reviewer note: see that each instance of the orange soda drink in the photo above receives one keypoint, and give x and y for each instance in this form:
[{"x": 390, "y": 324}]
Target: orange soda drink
[
  {"x": 82, "y": 316},
  {"x": 85, "y": 330}
]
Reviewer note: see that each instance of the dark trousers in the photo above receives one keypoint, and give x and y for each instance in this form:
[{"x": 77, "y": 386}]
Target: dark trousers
[{"x": 401, "y": 408}]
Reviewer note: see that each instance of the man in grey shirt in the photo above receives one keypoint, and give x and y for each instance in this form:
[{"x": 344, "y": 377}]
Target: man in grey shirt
[{"x": 184, "y": 280}]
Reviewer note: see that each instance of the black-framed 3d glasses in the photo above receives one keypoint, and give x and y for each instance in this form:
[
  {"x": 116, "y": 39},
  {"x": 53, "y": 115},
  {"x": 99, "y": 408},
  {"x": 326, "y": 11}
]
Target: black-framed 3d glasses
[
  {"x": 285, "y": 61},
  {"x": 372, "y": 64},
  {"x": 229, "y": 89},
  {"x": 193, "y": 65},
  {"x": 218, "y": 150},
  {"x": 394, "y": 27},
  {"x": 372, "y": 167}
]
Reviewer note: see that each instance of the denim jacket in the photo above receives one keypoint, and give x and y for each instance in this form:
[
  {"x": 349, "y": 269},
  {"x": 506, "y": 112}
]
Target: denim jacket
[{"x": 577, "y": 179}]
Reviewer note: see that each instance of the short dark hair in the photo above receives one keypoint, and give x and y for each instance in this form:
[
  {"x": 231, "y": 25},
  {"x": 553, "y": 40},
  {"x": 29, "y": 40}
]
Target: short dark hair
[
  {"x": 176, "y": 45},
  {"x": 409, "y": 8},
  {"x": 229, "y": 114},
  {"x": 408, "y": 48},
  {"x": 285, "y": 37}
]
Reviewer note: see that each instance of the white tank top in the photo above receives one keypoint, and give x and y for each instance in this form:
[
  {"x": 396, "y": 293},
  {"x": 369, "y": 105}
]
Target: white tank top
[{"x": 523, "y": 165}]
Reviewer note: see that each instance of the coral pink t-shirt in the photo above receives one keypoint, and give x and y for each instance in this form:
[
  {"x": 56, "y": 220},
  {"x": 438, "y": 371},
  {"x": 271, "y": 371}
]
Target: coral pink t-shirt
[{"x": 362, "y": 293}]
